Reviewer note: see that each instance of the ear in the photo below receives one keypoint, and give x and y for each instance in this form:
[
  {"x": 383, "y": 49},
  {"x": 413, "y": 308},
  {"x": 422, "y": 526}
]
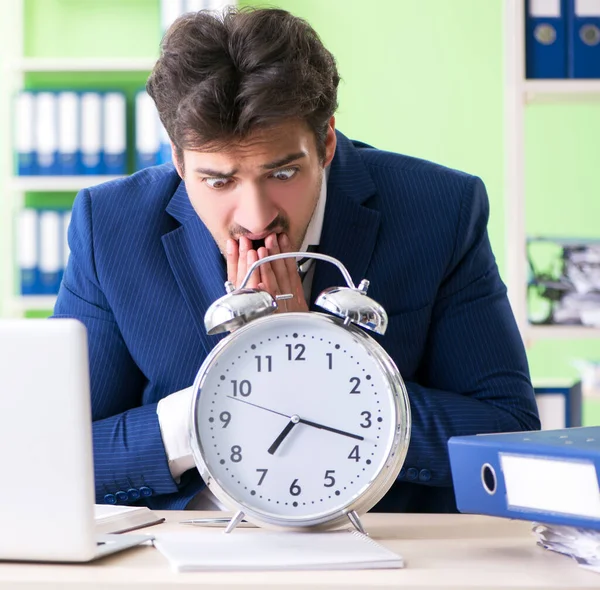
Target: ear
[
  {"x": 178, "y": 165},
  {"x": 330, "y": 142}
]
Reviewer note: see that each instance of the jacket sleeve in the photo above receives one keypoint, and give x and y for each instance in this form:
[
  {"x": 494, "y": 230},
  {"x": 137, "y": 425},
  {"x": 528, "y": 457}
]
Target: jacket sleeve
[
  {"x": 128, "y": 449},
  {"x": 474, "y": 376}
]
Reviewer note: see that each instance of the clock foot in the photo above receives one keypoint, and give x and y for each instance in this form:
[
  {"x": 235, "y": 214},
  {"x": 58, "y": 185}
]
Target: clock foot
[
  {"x": 239, "y": 515},
  {"x": 355, "y": 520}
]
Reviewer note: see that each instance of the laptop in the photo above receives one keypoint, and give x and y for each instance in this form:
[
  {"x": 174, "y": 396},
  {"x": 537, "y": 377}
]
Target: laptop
[{"x": 46, "y": 461}]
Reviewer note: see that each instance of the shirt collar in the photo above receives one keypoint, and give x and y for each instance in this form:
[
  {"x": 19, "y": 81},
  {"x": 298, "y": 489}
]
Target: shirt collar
[{"x": 315, "y": 226}]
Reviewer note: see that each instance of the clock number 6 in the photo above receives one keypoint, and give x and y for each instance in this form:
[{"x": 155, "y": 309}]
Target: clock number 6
[{"x": 295, "y": 489}]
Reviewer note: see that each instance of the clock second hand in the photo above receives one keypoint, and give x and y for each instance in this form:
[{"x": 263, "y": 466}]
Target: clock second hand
[{"x": 293, "y": 421}]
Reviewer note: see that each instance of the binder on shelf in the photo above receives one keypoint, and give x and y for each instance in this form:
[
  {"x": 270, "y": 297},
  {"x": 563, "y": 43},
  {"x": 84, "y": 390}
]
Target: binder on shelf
[
  {"x": 50, "y": 251},
  {"x": 584, "y": 38},
  {"x": 169, "y": 11},
  {"x": 147, "y": 139},
  {"x": 114, "y": 148},
  {"x": 46, "y": 133},
  {"x": 27, "y": 250},
  {"x": 546, "y": 39},
  {"x": 547, "y": 476},
  {"x": 68, "y": 133},
  {"x": 91, "y": 133},
  {"x": 559, "y": 403},
  {"x": 24, "y": 133},
  {"x": 66, "y": 220}
]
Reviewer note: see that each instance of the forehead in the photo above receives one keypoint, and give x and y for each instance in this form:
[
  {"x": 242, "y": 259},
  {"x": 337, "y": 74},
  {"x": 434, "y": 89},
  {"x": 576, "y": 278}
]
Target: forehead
[{"x": 262, "y": 146}]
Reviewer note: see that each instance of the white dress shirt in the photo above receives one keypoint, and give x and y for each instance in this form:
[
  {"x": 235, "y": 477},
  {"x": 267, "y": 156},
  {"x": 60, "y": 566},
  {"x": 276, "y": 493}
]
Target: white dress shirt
[{"x": 175, "y": 410}]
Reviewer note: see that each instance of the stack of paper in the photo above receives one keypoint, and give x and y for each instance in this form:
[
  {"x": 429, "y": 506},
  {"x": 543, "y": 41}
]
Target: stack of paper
[
  {"x": 261, "y": 550},
  {"x": 583, "y": 545}
]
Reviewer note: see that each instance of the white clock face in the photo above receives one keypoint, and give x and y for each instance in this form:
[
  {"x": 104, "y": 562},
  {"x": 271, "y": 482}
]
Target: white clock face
[{"x": 295, "y": 418}]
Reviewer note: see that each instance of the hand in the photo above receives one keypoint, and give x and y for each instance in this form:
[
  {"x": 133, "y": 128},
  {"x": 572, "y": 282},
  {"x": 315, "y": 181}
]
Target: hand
[{"x": 277, "y": 278}]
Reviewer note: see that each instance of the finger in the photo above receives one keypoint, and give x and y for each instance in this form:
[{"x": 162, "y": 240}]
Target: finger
[
  {"x": 290, "y": 264},
  {"x": 267, "y": 276},
  {"x": 279, "y": 266},
  {"x": 245, "y": 245},
  {"x": 232, "y": 260},
  {"x": 255, "y": 276}
]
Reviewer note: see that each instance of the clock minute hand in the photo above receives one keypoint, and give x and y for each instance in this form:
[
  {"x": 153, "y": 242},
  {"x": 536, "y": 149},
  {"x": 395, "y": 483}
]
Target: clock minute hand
[{"x": 323, "y": 427}]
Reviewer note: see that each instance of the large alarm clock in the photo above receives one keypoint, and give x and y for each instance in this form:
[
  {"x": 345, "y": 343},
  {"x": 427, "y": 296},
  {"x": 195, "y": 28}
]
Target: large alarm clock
[{"x": 299, "y": 420}]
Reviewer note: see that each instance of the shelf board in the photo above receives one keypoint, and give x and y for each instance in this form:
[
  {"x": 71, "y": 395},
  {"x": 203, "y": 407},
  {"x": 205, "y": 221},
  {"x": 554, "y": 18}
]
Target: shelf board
[
  {"x": 40, "y": 64},
  {"x": 57, "y": 183},
  {"x": 557, "y": 91},
  {"x": 33, "y": 303},
  {"x": 534, "y": 333}
]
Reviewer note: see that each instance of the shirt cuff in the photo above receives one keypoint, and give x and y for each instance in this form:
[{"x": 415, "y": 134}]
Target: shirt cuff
[{"x": 174, "y": 412}]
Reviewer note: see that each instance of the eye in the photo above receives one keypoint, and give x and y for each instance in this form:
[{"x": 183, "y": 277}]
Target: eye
[
  {"x": 217, "y": 183},
  {"x": 285, "y": 173}
]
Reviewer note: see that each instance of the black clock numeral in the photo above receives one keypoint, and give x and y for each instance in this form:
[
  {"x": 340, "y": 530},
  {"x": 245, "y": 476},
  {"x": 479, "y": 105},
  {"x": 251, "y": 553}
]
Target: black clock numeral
[
  {"x": 259, "y": 363},
  {"x": 225, "y": 417},
  {"x": 356, "y": 382},
  {"x": 354, "y": 454},
  {"x": 367, "y": 422},
  {"x": 244, "y": 389},
  {"x": 295, "y": 489},
  {"x": 330, "y": 358},
  {"x": 236, "y": 453},
  {"x": 262, "y": 477},
  {"x": 299, "y": 348},
  {"x": 329, "y": 479}
]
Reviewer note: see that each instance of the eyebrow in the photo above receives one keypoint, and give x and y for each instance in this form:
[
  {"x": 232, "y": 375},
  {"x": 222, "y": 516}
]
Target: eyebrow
[{"x": 270, "y": 166}]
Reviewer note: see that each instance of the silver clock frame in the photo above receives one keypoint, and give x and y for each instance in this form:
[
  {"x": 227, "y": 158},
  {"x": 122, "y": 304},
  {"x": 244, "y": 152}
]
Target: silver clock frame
[{"x": 373, "y": 490}]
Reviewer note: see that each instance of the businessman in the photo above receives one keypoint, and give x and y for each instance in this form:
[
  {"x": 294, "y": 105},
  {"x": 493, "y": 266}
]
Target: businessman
[{"x": 248, "y": 101}]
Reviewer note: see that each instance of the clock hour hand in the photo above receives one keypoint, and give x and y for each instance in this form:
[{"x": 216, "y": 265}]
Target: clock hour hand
[
  {"x": 330, "y": 429},
  {"x": 288, "y": 428}
]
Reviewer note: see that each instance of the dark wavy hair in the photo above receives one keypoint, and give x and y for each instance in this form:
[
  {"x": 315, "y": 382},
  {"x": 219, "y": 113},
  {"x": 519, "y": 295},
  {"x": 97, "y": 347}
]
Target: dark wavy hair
[{"x": 221, "y": 76}]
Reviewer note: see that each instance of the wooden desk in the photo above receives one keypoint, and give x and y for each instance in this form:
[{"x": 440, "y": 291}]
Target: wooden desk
[{"x": 441, "y": 551}]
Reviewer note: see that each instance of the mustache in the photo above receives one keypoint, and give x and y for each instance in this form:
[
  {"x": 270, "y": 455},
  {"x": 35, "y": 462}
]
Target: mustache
[{"x": 280, "y": 224}]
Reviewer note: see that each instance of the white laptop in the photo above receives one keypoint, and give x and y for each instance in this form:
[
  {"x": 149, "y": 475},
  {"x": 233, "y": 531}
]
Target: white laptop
[{"x": 46, "y": 461}]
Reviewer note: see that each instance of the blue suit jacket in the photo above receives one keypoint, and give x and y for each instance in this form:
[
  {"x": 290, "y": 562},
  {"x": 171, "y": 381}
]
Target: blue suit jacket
[{"x": 143, "y": 270}]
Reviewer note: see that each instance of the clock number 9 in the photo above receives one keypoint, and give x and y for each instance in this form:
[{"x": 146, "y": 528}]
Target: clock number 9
[
  {"x": 245, "y": 388},
  {"x": 225, "y": 417}
]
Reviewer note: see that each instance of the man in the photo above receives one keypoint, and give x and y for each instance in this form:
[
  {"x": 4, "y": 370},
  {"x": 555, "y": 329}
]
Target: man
[{"x": 249, "y": 104}]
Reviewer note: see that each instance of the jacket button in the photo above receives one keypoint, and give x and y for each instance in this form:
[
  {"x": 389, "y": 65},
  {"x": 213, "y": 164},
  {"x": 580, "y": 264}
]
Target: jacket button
[
  {"x": 402, "y": 472},
  {"x": 145, "y": 491},
  {"x": 110, "y": 499},
  {"x": 133, "y": 494},
  {"x": 412, "y": 473},
  {"x": 424, "y": 475},
  {"x": 121, "y": 496}
]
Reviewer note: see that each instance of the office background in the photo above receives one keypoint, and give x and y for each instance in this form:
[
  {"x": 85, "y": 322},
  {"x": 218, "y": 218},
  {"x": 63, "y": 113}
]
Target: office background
[{"x": 422, "y": 77}]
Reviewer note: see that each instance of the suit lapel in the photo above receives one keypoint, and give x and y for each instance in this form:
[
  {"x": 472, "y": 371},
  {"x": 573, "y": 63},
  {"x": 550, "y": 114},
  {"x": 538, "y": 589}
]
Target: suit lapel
[
  {"x": 349, "y": 228},
  {"x": 196, "y": 262}
]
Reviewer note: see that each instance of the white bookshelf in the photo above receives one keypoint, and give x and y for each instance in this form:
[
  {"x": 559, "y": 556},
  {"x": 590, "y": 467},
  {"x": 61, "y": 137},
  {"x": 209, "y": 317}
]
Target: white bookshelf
[
  {"x": 519, "y": 93},
  {"x": 14, "y": 67}
]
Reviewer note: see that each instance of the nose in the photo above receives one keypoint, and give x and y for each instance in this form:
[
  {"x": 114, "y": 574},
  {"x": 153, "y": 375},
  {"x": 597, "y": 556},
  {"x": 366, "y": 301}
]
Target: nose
[{"x": 255, "y": 211}]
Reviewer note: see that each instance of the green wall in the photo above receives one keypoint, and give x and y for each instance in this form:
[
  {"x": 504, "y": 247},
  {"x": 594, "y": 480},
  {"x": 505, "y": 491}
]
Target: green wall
[{"x": 422, "y": 77}]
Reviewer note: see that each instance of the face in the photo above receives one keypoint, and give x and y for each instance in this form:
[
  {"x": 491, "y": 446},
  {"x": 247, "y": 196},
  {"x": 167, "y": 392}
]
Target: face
[{"x": 269, "y": 182}]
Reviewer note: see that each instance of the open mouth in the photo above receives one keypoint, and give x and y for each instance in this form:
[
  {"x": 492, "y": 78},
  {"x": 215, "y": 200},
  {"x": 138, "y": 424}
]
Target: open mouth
[{"x": 256, "y": 244}]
